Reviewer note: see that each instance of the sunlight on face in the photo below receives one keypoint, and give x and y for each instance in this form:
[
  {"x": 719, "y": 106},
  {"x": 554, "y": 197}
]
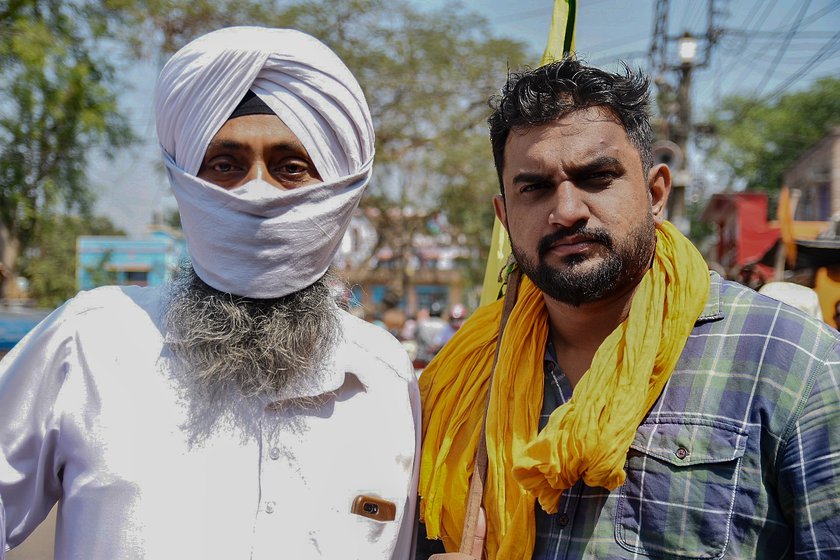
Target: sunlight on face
[{"x": 257, "y": 147}]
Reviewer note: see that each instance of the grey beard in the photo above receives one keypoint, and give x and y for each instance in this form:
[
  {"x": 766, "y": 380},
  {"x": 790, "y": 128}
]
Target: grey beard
[{"x": 257, "y": 347}]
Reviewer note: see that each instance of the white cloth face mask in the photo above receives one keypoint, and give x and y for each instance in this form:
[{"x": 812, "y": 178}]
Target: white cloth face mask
[{"x": 258, "y": 240}]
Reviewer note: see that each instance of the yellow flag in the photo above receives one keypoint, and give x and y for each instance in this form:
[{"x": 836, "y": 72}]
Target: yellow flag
[
  {"x": 561, "y": 40},
  {"x": 561, "y": 34},
  {"x": 784, "y": 214}
]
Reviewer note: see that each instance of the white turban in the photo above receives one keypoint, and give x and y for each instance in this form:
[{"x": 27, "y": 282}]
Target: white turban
[{"x": 257, "y": 240}]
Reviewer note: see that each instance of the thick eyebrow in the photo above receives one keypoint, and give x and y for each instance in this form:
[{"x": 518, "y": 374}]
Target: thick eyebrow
[
  {"x": 228, "y": 144},
  {"x": 296, "y": 147},
  {"x": 597, "y": 164},
  {"x": 529, "y": 177}
]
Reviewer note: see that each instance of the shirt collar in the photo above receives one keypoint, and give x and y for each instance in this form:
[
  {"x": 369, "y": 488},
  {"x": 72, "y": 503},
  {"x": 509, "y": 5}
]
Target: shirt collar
[{"x": 713, "y": 311}]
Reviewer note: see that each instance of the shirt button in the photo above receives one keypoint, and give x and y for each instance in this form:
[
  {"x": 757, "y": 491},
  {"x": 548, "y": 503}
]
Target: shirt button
[
  {"x": 681, "y": 453},
  {"x": 562, "y": 519},
  {"x": 269, "y": 507},
  {"x": 274, "y": 453}
]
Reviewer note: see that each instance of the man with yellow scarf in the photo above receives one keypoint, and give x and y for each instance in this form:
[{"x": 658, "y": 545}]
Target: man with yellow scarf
[{"x": 640, "y": 407}]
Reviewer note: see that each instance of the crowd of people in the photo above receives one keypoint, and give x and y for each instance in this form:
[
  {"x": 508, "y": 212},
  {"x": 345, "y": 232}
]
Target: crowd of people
[
  {"x": 619, "y": 401},
  {"x": 422, "y": 334}
]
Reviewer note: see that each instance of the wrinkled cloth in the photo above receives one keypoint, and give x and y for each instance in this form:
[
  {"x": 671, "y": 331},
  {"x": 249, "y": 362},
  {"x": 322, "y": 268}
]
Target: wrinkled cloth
[
  {"x": 586, "y": 439},
  {"x": 97, "y": 416},
  {"x": 257, "y": 240},
  {"x": 754, "y": 407},
  {"x": 740, "y": 456}
]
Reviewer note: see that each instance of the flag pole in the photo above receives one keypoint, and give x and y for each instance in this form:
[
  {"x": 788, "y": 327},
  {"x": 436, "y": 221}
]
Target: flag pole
[{"x": 561, "y": 41}]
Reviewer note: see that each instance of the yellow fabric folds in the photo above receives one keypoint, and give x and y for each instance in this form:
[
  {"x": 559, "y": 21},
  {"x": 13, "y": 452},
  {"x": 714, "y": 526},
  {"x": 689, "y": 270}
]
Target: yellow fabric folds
[{"x": 586, "y": 438}]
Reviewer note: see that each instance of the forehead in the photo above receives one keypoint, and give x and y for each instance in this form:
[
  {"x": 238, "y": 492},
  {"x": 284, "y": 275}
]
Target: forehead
[
  {"x": 250, "y": 128},
  {"x": 580, "y": 135}
]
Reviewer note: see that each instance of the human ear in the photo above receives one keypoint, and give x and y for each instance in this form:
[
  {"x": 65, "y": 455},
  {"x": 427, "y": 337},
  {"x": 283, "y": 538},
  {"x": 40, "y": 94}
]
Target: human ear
[
  {"x": 501, "y": 209},
  {"x": 659, "y": 188}
]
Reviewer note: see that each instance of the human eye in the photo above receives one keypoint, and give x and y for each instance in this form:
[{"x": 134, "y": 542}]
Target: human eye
[
  {"x": 601, "y": 178},
  {"x": 223, "y": 167},
  {"x": 294, "y": 168},
  {"x": 533, "y": 187},
  {"x": 295, "y": 171}
]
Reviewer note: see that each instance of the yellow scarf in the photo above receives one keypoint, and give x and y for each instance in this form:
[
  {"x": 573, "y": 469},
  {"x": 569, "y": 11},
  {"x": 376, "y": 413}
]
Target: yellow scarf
[{"x": 587, "y": 438}]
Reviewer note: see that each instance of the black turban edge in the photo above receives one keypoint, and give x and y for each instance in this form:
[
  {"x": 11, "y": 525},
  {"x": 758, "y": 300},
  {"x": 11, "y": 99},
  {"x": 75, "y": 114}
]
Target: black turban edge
[{"x": 251, "y": 105}]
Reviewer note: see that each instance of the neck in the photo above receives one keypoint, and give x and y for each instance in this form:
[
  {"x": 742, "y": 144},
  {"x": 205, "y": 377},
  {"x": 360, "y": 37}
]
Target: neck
[{"x": 578, "y": 332}]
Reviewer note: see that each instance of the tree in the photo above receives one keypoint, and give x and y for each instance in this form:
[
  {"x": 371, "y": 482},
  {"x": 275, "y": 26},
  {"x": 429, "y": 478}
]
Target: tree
[
  {"x": 49, "y": 264},
  {"x": 160, "y": 27},
  {"x": 58, "y": 103},
  {"x": 427, "y": 77},
  {"x": 755, "y": 140}
]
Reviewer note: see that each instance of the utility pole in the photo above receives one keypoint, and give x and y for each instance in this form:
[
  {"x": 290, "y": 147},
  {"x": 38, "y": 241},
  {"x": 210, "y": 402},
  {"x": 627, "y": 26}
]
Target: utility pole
[{"x": 675, "y": 99}]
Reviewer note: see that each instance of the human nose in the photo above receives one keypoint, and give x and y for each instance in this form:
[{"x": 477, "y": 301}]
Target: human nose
[
  {"x": 259, "y": 170},
  {"x": 569, "y": 207}
]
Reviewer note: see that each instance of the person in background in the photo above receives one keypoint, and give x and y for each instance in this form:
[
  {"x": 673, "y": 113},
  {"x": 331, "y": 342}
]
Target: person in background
[
  {"x": 456, "y": 318},
  {"x": 641, "y": 406},
  {"x": 238, "y": 412},
  {"x": 801, "y": 297},
  {"x": 428, "y": 332}
]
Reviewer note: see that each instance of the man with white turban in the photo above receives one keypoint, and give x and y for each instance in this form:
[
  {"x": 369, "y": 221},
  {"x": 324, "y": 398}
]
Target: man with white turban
[{"x": 238, "y": 412}]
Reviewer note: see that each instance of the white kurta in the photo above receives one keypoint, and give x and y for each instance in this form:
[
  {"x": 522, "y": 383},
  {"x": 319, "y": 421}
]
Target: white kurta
[{"x": 93, "y": 415}]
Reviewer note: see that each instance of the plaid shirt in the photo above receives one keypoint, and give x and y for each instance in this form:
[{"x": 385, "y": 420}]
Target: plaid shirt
[{"x": 739, "y": 457}]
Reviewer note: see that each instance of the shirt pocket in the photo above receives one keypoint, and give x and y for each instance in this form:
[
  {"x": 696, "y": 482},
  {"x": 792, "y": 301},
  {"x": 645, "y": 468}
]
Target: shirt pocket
[{"x": 682, "y": 477}]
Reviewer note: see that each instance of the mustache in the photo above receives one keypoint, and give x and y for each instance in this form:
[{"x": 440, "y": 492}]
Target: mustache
[{"x": 598, "y": 235}]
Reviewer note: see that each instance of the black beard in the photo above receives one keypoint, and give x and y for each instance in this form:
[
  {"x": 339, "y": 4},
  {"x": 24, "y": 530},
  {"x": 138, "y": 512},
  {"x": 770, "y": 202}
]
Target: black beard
[
  {"x": 624, "y": 264},
  {"x": 255, "y": 346}
]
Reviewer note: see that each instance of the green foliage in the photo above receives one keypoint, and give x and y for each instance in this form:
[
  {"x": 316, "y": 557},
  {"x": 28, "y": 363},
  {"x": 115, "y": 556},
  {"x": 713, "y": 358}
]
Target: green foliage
[
  {"x": 757, "y": 140},
  {"x": 160, "y": 27},
  {"x": 427, "y": 76},
  {"x": 58, "y": 103},
  {"x": 50, "y": 262},
  {"x": 468, "y": 198},
  {"x": 172, "y": 219}
]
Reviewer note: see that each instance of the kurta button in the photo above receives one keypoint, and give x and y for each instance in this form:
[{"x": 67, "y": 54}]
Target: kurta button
[
  {"x": 269, "y": 507},
  {"x": 563, "y": 519},
  {"x": 274, "y": 453},
  {"x": 681, "y": 453}
]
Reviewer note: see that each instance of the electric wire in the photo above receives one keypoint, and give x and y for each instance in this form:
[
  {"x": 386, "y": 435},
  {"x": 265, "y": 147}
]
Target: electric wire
[{"x": 780, "y": 53}]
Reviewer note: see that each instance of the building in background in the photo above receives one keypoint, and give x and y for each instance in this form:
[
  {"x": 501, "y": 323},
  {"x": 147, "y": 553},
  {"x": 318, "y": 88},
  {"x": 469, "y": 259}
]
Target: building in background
[
  {"x": 150, "y": 260},
  {"x": 400, "y": 262},
  {"x": 816, "y": 175},
  {"x": 748, "y": 245},
  {"x": 745, "y": 235}
]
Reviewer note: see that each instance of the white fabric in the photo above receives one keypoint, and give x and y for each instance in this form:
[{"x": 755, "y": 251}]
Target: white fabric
[
  {"x": 802, "y": 297},
  {"x": 93, "y": 415},
  {"x": 256, "y": 240}
]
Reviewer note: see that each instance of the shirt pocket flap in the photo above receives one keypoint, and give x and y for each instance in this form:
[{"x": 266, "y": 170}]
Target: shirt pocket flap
[{"x": 691, "y": 442}]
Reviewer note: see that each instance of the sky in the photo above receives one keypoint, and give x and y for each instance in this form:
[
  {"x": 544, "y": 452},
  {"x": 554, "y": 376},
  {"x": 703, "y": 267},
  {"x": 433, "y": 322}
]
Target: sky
[{"x": 765, "y": 48}]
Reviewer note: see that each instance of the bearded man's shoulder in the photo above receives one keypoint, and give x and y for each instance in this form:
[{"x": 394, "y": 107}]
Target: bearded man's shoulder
[
  {"x": 373, "y": 344},
  {"x": 115, "y": 303},
  {"x": 103, "y": 313},
  {"x": 106, "y": 321}
]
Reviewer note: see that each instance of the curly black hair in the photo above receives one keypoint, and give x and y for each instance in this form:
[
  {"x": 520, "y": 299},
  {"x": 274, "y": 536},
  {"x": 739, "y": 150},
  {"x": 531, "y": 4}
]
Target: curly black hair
[{"x": 548, "y": 93}]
